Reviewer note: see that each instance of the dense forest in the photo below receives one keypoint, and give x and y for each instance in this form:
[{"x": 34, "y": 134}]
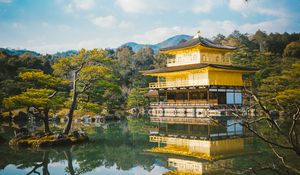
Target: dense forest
[{"x": 121, "y": 85}]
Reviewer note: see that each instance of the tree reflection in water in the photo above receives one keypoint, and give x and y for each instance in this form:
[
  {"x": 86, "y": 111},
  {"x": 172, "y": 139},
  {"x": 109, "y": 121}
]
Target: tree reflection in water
[
  {"x": 120, "y": 148},
  {"x": 113, "y": 146},
  {"x": 44, "y": 164}
]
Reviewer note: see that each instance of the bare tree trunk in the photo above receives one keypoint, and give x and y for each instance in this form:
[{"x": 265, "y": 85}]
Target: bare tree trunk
[
  {"x": 46, "y": 121},
  {"x": 68, "y": 156},
  {"x": 73, "y": 105},
  {"x": 45, "y": 163}
]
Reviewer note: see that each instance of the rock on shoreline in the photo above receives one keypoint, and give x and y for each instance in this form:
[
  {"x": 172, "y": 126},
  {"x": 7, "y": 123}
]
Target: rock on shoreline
[{"x": 48, "y": 140}]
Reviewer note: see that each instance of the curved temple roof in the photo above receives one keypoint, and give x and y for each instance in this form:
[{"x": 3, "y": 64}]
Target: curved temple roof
[
  {"x": 199, "y": 40},
  {"x": 197, "y": 66}
]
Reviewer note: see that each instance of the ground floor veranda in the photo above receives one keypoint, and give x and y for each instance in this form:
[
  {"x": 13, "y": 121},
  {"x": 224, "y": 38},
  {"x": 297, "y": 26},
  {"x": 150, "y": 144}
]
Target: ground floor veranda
[{"x": 208, "y": 95}]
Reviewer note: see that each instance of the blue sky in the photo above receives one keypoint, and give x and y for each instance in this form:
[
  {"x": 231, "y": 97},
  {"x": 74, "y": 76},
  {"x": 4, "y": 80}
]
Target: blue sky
[{"x": 48, "y": 26}]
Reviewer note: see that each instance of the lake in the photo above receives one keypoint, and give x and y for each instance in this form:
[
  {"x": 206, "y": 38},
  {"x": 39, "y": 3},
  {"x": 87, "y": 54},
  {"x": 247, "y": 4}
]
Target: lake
[{"x": 139, "y": 147}]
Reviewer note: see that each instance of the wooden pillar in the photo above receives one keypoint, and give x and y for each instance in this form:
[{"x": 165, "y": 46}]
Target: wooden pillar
[
  {"x": 208, "y": 131},
  {"x": 166, "y": 96},
  {"x": 189, "y": 129},
  {"x": 207, "y": 98},
  {"x": 175, "y": 96},
  {"x": 217, "y": 95}
]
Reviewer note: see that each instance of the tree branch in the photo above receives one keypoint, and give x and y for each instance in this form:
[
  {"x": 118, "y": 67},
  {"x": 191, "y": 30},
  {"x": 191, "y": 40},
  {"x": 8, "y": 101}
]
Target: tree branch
[
  {"x": 270, "y": 118},
  {"x": 247, "y": 125},
  {"x": 283, "y": 161},
  {"x": 52, "y": 95},
  {"x": 80, "y": 67},
  {"x": 292, "y": 129}
]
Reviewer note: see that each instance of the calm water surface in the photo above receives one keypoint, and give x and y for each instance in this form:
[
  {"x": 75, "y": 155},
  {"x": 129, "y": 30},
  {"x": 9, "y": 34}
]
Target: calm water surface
[{"x": 138, "y": 147}]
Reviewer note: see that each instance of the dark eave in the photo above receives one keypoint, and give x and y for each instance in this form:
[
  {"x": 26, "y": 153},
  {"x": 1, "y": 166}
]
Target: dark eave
[
  {"x": 197, "y": 66},
  {"x": 202, "y": 41}
]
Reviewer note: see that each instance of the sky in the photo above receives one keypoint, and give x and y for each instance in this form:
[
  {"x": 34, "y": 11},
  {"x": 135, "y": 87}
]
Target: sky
[{"x": 49, "y": 26}]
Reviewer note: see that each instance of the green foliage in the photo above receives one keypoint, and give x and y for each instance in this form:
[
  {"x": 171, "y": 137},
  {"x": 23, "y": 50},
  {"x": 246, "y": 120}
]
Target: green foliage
[
  {"x": 40, "y": 79},
  {"x": 277, "y": 56},
  {"x": 136, "y": 98},
  {"x": 95, "y": 79},
  {"x": 284, "y": 88},
  {"x": 11, "y": 65},
  {"x": 292, "y": 49},
  {"x": 90, "y": 107},
  {"x": 34, "y": 98}
]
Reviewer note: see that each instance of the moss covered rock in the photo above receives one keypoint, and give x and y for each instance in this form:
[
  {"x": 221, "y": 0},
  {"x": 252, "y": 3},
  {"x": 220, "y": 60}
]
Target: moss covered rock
[{"x": 48, "y": 140}]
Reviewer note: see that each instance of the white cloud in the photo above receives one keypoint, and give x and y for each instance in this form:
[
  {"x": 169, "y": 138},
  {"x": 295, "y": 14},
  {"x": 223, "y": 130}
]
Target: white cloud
[
  {"x": 104, "y": 21},
  {"x": 237, "y": 5},
  {"x": 211, "y": 28},
  {"x": 144, "y": 6},
  {"x": 204, "y": 6},
  {"x": 45, "y": 24},
  {"x": 136, "y": 6},
  {"x": 64, "y": 28},
  {"x": 110, "y": 21},
  {"x": 17, "y": 25},
  {"x": 69, "y": 8},
  {"x": 79, "y": 5},
  {"x": 53, "y": 47},
  {"x": 125, "y": 24},
  {"x": 257, "y": 7},
  {"x": 159, "y": 34},
  {"x": 85, "y": 4},
  {"x": 6, "y": 1}
]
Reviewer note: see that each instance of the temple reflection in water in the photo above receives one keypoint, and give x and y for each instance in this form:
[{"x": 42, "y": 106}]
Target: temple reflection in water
[{"x": 200, "y": 148}]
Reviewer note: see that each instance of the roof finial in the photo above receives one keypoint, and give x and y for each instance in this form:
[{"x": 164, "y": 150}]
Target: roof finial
[{"x": 197, "y": 34}]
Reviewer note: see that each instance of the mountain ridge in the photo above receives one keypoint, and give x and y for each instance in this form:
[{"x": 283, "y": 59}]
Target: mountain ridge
[{"x": 172, "y": 41}]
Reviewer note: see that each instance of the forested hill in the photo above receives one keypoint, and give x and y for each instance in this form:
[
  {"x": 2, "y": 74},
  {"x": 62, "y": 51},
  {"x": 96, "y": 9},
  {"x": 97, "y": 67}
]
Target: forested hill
[
  {"x": 18, "y": 51},
  {"x": 175, "y": 40},
  {"x": 277, "y": 56}
]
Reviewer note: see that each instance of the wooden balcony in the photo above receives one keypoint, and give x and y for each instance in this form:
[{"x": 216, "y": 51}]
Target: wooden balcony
[
  {"x": 188, "y": 83},
  {"x": 173, "y": 62},
  {"x": 195, "y": 103}
]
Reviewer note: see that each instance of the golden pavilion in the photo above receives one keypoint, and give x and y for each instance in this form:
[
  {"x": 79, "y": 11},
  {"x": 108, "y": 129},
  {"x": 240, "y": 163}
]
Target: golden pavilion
[{"x": 198, "y": 82}]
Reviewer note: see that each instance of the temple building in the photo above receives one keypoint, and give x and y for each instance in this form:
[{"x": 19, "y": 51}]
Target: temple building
[{"x": 199, "y": 81}]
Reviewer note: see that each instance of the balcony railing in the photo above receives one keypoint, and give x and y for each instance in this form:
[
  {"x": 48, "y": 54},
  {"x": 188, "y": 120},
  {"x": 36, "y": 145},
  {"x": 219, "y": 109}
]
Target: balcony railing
[
  {"x": 186, "y": 83},
  {"x": 201, "y": 103},
  {"x": 211, "y": 103},
  {"x": 172, "y": 62}
]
